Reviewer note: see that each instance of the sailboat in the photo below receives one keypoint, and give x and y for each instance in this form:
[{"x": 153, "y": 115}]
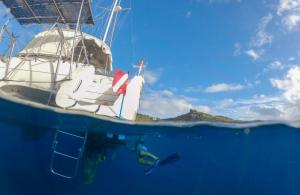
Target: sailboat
[{"x": 65, "y": 70}]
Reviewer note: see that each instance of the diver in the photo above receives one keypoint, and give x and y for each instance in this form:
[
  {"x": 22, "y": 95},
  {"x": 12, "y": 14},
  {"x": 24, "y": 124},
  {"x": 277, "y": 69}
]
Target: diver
[
  {"x": 144, "y": 156},
  {"x": 100, "y": 145},
  {"x": 150, "y": 160}
]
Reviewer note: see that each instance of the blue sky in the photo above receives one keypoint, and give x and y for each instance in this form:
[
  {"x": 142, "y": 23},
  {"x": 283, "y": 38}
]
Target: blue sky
[{"x": 235, "y": 58}]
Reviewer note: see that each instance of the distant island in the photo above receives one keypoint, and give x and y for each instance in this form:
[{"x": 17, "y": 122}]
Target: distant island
[{"x": 191, "y": 116}]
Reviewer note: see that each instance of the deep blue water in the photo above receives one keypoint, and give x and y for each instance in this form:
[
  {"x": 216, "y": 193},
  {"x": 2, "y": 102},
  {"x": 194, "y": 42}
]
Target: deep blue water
[{"x": 264, "y": 161}]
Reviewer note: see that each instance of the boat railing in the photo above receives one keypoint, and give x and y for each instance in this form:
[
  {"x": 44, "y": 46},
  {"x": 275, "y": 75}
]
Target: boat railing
[{"x": 11, "y": 46}]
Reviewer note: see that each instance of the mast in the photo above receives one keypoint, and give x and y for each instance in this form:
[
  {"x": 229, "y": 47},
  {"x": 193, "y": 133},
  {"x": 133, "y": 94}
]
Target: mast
[{"x": 110, "y": 20}]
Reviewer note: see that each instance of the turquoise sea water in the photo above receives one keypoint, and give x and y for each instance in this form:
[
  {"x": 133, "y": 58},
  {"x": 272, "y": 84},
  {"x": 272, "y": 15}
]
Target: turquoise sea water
[{"x": 214, "y": 160}]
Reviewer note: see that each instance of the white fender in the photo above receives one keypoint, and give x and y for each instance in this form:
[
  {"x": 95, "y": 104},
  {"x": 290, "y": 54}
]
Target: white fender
[{"x": 69, "y": 92}]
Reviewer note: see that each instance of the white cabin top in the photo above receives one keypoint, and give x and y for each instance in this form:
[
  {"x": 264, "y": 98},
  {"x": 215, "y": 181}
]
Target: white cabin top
[{"x": 49, "y": 43}]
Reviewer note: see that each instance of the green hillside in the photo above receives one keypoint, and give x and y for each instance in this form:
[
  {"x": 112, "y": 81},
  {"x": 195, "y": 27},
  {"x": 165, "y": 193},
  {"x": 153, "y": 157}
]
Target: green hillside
[
  {"x": 192, "y": 116},
  {"x": 146, "y": 118}
]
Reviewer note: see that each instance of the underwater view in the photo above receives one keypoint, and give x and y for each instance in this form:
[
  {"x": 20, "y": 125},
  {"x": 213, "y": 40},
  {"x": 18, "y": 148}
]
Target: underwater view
[{"x": 260, "y": 160}]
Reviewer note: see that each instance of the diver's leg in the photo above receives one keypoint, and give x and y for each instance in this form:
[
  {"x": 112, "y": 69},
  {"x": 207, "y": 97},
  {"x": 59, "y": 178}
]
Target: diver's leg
[
  {"x": 149, "y": 155},
  {"x": 145, "y": 162}
]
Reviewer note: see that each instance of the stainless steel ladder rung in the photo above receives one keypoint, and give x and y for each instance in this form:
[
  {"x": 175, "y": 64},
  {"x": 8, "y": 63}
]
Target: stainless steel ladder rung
[
  {"x": 77, "y": 158},
  {"x": 71, "y": 134},
  {"x": 65, "y": 155}
]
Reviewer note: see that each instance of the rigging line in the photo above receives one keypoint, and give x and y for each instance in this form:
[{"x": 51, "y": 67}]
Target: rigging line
[
  {"x": 8, "y": 40},
  {"x": 110, "y": 18},
  {"x": 100, "y": 15},
  {"x": 131, "y": 34},
  {"x": 116, "y": 30},
  {"x": 100, "y": 25},
  {"x": 106, "y": 23},
  {"x": 20, "y": 40},
  {"x": 93, "y": 30},
  {"x": 120, "y": 25},
  {"x": 97, "y": 30},
  {"x": 113, "y": 29},
  {"x": 59, "y": 11}
]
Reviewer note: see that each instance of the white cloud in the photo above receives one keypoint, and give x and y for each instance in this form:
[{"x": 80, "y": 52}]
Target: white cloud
[
  {"x": 284, "y": 106},
  {"x": 289, "y": 10},
  {"x": 262, "y": 37},
  {"x": 259, "y": 107},
  {"x": 276, "y": 65},
  {"x": 290, "y": 85},
  {"x": 222, "y": 87},
  {"x": 253, "y": 54},
  {"x": 266, "y": 112},
  {"x": 151, "y": 77},
  {"x": 165, "y": 104},
  {"x": 225, "y": 103},
  {"x": 167, "y": 93},
  {"x": 204, "y": 109},
  {"x": 291, "y": 21},
  {"x": 288, "y": 5}
]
